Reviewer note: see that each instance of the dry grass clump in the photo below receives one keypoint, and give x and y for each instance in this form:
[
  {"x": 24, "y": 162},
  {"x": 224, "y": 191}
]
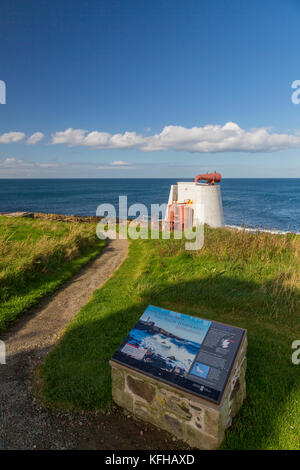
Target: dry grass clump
[
  {"x": 275, "y": 263},
  {"x": 242, "y": 245},
  {"x": 27, "y": 249},
  {"x": 260, "y": 270}
]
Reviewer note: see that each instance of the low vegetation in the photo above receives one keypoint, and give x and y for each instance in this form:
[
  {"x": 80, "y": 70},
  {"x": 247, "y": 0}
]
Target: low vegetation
[
  {"x": 36, "y": 257},
  {"x": 248, "y": 280}
]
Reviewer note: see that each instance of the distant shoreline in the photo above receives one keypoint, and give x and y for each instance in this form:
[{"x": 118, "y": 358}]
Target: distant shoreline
[
  {"x": 51, "y": 216},
  {"x": 252, "y": 230},
  {"x": 96, "y": 219}
]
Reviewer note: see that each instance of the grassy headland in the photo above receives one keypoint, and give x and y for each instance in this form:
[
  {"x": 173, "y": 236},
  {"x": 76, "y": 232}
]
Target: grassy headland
[
  {"x": 248, "y": 280},
  {"x": 36, "y": 257}
]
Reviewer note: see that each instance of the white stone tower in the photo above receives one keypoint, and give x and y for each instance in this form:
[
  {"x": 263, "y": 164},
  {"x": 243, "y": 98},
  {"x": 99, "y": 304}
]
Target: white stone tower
[{"x": 204, "y": 198}]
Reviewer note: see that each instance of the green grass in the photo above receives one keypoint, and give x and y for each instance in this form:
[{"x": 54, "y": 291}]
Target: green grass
[
  {"x": 251, "y": 281},
  {"x": 37, "y": 256}
]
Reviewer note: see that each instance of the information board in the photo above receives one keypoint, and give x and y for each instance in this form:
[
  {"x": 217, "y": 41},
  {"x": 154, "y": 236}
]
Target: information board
[{"x": 188, "y": 352}]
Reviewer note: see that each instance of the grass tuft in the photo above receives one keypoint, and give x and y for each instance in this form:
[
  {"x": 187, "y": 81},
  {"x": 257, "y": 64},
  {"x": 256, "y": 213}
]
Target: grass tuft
[{"x": 36, "y": 257}]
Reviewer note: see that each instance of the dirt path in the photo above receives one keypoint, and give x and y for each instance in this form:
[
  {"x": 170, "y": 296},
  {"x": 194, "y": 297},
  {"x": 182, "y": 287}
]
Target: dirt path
[{"x": 24, "y": 422}]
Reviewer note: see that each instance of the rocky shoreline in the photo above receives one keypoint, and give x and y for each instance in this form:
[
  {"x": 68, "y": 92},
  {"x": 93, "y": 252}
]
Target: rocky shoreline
[{"x": 58, "y": 217}]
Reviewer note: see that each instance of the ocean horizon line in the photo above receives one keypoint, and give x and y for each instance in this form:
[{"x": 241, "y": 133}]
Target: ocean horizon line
[{"x": 144, "y": 178}]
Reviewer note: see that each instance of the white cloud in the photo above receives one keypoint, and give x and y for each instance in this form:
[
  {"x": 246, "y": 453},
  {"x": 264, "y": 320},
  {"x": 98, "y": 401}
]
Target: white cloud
[
  {"x": 14, "y": 164},
  {"x": 17, "y": 166},
  {"x": 120, "y": 163},
  {"x": 98, "y": 140},
  {"x": 71, "y": 137},
  {"x": 11, "y": 137},
  {"x": 47, "y": 165},
  {"x": 216, "y": 138},
  {"x": 116, "y": 165},
  {"x": 206, "y": 139},
  {"x": 35, "y": 138},
  {"x": 10, "y": 162}
]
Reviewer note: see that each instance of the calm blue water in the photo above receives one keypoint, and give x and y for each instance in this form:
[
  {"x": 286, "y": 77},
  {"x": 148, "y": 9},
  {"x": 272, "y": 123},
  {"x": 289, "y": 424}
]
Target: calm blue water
[{"x": 263, "y": 203}]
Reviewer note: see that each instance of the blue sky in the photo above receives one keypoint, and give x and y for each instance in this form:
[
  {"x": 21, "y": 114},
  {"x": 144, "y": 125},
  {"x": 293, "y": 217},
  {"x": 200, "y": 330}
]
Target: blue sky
[{"x": 149, "y": 89}]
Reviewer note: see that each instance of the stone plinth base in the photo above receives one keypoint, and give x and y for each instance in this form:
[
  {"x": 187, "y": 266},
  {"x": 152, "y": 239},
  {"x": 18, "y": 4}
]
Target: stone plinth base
[{"x": 193, "y": 419}]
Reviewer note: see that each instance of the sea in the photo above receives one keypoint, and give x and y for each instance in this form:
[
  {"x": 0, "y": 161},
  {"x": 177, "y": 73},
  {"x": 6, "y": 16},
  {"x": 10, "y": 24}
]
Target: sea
[{"x": 266, "y": 204}]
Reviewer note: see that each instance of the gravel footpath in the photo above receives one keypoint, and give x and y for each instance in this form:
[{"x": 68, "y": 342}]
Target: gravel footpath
[{"x": 24, "y": 422}]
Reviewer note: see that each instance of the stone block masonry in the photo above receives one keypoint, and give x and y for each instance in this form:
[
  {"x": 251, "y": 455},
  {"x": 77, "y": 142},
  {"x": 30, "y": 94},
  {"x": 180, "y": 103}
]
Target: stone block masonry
[{"x": 197, "y": 421}]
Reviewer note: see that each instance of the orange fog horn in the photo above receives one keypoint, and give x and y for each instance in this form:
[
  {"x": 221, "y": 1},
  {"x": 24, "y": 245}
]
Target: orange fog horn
[{"x": 210, "y": 178}]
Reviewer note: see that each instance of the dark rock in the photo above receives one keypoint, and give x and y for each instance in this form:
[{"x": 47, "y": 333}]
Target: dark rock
[
  {"x": 235, "y": 389},
  {"x": 142, "y": 389},
  {"x": 175, "y": 424}
]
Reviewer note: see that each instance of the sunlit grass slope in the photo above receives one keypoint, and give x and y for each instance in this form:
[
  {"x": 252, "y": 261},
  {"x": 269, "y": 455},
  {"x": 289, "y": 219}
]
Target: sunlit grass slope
[
  {"x": 248, "y": 280},
  {"x": 36, "y": 256}
]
